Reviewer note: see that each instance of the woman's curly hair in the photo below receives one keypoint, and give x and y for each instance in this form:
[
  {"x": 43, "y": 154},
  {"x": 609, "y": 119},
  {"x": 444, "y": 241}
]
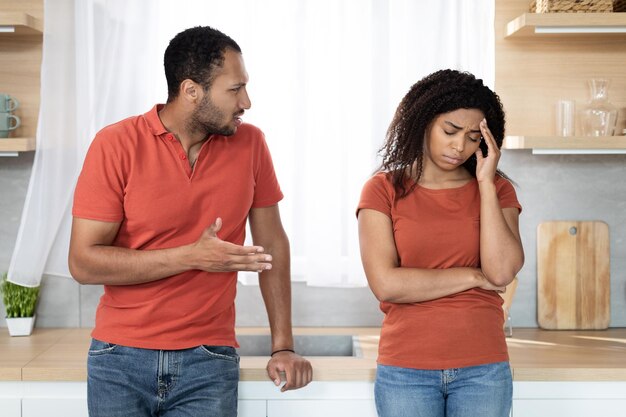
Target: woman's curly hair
[{"x": 440, "y": 92}]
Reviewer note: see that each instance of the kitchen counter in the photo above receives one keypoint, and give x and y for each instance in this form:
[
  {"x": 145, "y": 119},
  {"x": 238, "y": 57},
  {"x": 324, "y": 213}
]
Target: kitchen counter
[{"x": 536, "y": 355}]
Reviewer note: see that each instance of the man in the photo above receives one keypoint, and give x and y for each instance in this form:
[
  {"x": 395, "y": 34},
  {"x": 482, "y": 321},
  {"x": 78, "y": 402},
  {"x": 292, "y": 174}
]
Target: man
[{"x": 160, "y": 210}]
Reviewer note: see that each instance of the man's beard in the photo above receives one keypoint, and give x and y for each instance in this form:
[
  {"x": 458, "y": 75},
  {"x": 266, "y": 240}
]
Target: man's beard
[{"x": 207, "y": 118}]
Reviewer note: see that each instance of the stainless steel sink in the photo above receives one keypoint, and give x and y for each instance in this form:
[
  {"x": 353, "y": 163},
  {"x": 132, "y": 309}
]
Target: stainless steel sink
[{"x": 305, "y": 345}]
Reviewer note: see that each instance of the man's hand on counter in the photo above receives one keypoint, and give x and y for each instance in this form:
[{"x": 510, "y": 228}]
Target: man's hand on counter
[{"x": 298, "y": 371}]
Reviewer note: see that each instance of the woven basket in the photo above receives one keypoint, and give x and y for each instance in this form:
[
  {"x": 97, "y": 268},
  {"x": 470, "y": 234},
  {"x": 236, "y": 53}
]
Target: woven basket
[
  {"x": 619, "y": 6},
  {"x": 573, "y": 6}
]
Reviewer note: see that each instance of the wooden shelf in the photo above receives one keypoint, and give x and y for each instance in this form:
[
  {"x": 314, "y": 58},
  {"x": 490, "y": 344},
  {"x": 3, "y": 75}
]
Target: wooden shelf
[
  {"x": 543, "y": 24},
  {"x": 21, "y": 45},
  {"x": 17, "y": 144},
  {"x": 19, "y": 23},
  {"x": 569, "y": 145}
]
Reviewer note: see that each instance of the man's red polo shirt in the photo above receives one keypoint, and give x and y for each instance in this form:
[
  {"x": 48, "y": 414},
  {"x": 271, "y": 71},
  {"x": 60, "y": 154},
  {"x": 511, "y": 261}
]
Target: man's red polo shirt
[{"x": 137, "y": 173}]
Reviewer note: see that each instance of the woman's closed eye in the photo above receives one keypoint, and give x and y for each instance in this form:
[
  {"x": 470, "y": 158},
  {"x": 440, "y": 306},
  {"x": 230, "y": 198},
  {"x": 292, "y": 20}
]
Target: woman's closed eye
[{"x": 475, "y": 138}]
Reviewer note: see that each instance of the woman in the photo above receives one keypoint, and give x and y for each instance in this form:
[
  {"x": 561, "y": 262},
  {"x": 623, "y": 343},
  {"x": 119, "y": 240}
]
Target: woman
[{"x": 439, "y": 237}]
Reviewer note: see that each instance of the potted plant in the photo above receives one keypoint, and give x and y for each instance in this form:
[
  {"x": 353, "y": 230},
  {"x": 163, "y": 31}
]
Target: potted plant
[{"x": 20, "y": 303}]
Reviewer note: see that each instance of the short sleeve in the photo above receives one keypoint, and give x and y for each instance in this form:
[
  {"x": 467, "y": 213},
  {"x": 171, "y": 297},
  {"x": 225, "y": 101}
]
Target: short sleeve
[
  {"x": 99, "y": 193},
  {"x": 377, "y": 194},
  {"x": 506, "y": 194},
  {"x": 267, "y": 190}
]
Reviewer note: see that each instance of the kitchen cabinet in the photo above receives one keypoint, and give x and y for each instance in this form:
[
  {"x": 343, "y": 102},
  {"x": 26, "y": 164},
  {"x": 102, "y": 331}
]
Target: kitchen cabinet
[
  {"x": 77, "y": 407},
  {"x": 37, "y": 407},
  {"x": 10, "y": 407},
  {"x": 34, "y": 399},
  {"x": 330, "y": 399},
  {"x": 319, "y": 398},
  {"x": 252, "y": 408},
  {"x": 316, "y": 408},
  {"x": 577, "y": 371},
  {"x": 569, "y": 408},
  {"x": 256, "y": 399},
  {"x": 21, "y": 41},
  {"x": 544, "y": 57},
  {"x": 568, "y": 398}
]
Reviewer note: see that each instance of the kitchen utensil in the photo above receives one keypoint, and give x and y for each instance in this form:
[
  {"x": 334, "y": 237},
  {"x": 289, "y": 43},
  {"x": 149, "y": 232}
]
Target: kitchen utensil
[{"x": 573, "y": 275}]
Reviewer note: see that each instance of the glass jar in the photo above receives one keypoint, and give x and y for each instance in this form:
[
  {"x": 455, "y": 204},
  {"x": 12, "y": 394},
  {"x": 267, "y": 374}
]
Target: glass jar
[{"x": 598, "y": 118}]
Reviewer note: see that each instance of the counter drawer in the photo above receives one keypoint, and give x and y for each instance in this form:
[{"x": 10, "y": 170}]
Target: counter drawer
[{"x": 569, "y": 408}]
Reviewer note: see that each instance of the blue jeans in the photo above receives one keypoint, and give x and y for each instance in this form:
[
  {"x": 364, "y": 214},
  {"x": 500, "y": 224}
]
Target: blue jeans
[
  {"x": 474, "y": 391},
  {"x": 124, "y": 381}
]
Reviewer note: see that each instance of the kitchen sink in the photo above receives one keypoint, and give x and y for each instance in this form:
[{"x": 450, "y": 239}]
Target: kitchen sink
[{"x": 305, "y": 345}]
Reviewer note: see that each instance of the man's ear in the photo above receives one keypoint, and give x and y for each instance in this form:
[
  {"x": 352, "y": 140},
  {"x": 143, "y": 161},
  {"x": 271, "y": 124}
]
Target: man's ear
[{"x": 190, "y": 90}]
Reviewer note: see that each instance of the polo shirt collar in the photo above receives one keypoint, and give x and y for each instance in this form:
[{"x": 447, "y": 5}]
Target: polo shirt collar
[{"x": 154, "y": 122}]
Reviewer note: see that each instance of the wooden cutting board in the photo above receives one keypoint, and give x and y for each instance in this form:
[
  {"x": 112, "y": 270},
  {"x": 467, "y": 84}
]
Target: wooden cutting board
[{"x": 573, "y": 275}]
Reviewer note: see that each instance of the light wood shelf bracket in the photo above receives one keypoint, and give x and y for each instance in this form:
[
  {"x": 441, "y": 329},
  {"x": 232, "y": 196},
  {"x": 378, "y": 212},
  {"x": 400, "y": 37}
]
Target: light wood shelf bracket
[
  {"x": 20, "y": 23},
  {"x": 12, "y": 145},
  {"x": 532, "y": 24},
  {"x": 579, "y": 145}
]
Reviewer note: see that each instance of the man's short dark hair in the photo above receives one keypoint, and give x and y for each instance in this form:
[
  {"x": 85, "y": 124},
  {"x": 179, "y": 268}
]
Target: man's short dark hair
[{"x": 195, "y": 54}]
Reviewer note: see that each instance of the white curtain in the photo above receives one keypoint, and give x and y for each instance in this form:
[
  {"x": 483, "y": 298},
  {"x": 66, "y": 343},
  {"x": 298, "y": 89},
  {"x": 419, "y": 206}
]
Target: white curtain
[{"x": 325, "y": 79}]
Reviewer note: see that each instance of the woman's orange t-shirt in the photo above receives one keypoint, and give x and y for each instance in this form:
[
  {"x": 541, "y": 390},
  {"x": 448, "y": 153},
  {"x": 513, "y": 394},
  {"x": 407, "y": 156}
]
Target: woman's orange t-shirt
[{"x": 439, "y": 229}]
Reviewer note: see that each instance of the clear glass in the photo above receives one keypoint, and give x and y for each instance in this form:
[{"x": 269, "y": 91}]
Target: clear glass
[
  {"x": 565, "y": 114},
  {"x": 598, "y": 118},
  {"x": 508, "y": 324}
]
